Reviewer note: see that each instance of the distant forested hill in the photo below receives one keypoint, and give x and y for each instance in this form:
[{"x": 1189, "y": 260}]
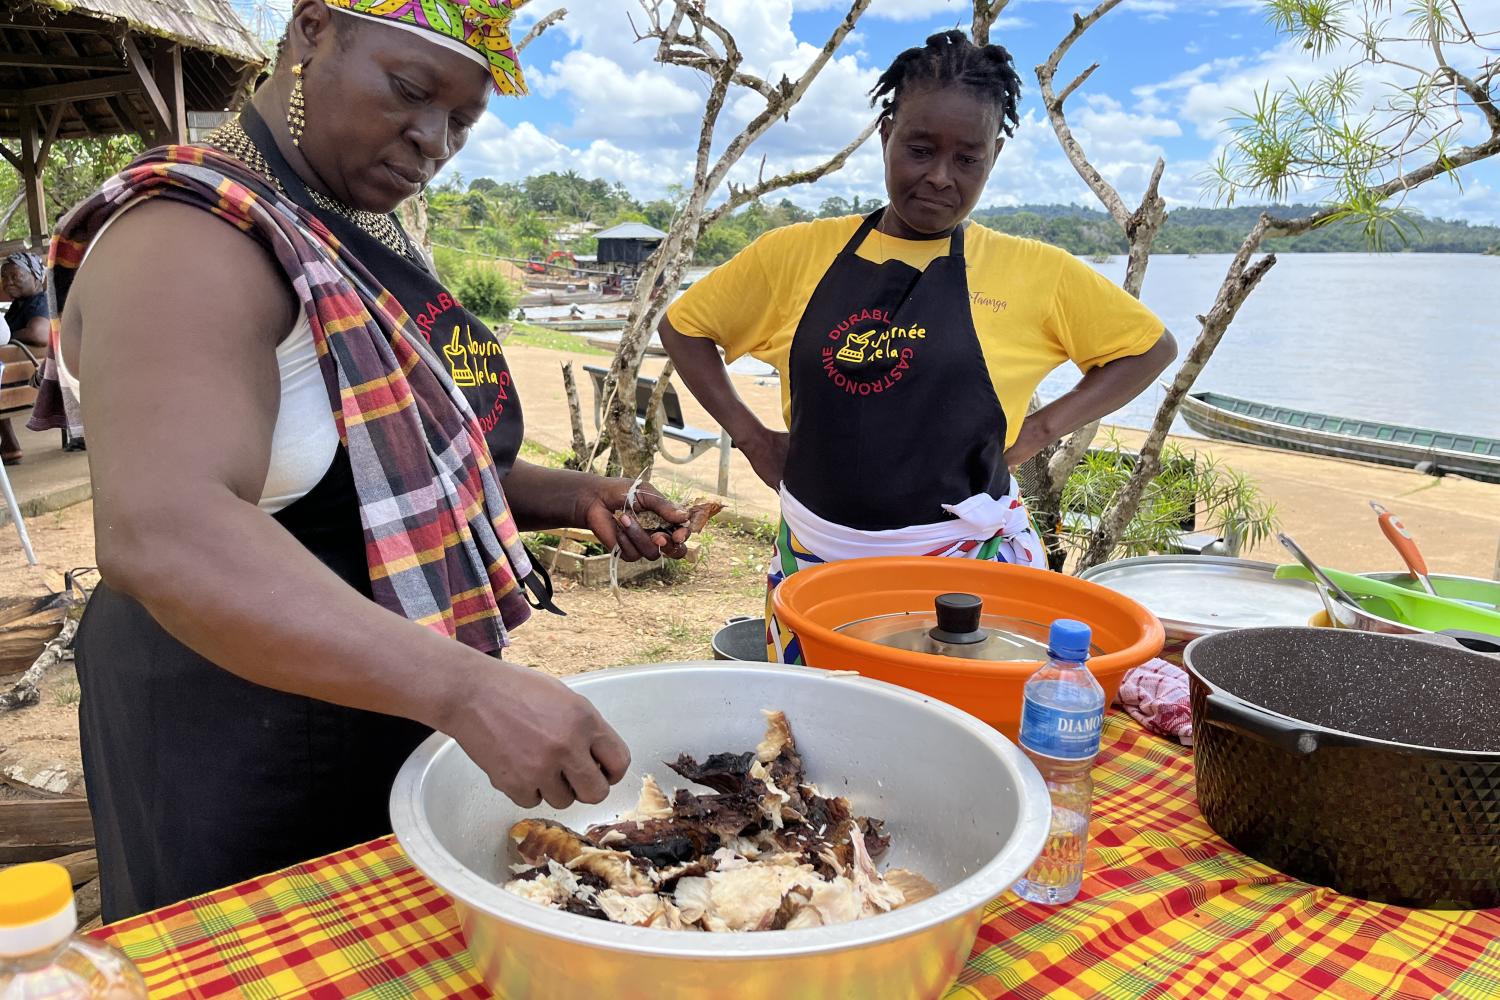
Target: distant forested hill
[{"x": 1220, "y": 230}]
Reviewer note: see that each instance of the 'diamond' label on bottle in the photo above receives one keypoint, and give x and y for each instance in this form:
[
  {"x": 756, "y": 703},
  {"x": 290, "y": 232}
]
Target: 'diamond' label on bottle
[{"x": 1057, "y": 732}]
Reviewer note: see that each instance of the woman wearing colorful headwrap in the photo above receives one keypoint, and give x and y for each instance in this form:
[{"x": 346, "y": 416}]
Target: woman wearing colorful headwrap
[
  {"x": 23, "y": 280},
  {"x": 298, "y": 438}
]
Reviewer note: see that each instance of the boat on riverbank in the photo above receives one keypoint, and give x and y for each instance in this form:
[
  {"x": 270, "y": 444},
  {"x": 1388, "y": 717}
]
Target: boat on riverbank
[{"x": 1228, "y": 418}]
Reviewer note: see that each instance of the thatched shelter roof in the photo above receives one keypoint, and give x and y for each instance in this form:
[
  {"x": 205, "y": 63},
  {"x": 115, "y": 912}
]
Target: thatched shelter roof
[{"x": 73, "y": 59}]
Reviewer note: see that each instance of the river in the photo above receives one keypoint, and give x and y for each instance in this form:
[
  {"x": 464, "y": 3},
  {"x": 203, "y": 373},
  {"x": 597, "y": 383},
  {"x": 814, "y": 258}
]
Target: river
[{"x": 1403, "y": 338}]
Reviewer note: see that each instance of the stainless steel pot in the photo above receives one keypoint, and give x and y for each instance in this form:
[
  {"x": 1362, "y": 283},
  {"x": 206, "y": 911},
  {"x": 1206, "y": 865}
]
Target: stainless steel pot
[
  {"x": 741, "y": 638},
  {"x": 1202, "y": 595},
  {"x": 964, "y": 806},
  {"x": 1367, "y": 763}
]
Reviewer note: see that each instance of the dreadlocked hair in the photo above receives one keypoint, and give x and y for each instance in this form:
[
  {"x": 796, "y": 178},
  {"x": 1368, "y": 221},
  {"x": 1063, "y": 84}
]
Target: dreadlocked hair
[{"x": 950, "y": 59}]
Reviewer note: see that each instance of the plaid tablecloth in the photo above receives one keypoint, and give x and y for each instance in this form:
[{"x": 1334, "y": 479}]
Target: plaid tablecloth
[{"x": 1167, "y": 910}]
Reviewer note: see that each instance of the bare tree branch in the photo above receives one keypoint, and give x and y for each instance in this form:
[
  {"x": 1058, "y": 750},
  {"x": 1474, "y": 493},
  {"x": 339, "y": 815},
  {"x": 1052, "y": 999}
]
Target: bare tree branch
[
  {"x": 1078, "y": 81},
  {"x": 652, "y": 430},
  {"x": 541, "y": 26},
  {"x": 696, "y": 51},
  {"x": 1140, "y": 228},
  {"x": 687, "y": 36},
  {"x": 1046, "y": 73},
  {"x": 1406, "y": 182},
  {"x": 740, "y": 196},
  {"x": 581, "y": 447},
  {"x": 1239, "y": 282},
  {"x": 985, "y": 15},
  {"x": 789, "y": 94}
]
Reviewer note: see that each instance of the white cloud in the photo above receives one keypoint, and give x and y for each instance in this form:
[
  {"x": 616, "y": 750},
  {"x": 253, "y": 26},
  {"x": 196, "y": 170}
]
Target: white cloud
[
  {"x": 511, "y": 152},
  {"x": 612, "y": 101},
  {"x": 960, "y": 12},
  {"x": 632, "y": 120}
]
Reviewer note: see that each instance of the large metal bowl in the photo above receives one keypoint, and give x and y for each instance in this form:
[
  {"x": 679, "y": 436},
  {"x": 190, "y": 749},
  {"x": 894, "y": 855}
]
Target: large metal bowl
[{"x": 964, "y": 806}]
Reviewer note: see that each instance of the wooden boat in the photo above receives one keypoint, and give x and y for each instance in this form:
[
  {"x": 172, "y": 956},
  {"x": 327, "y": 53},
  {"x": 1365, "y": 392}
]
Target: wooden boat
[
  {"x": 579, "y": 296},
  {"x": 612, "y": 344},
  {"x": 1229, "y": 419}
]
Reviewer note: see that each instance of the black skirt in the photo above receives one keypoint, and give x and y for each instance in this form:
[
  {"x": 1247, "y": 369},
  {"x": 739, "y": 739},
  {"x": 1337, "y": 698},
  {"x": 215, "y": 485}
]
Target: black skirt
[{"x": 198, "y": 778}]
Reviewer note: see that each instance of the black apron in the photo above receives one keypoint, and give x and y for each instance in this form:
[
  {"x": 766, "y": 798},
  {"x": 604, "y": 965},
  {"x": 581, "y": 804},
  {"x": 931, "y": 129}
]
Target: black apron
[
  {"x": 197, "y": 778},
  {"x": 466, "y": 346},
  {"x": 893, "y": 410}
]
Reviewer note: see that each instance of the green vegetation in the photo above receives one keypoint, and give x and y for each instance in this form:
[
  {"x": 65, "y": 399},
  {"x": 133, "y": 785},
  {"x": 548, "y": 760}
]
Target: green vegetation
[
  {"x": 552, "y": 340},
  {"x": 75, "y": 169},
  {"x": 1220, "y": 230},
  {"x": 1191, "y": 486},
  {"x": 471, "y": 221},
  {"x": 517, "y": 220},
  {"x": 483, "y": 289},
  {"x": 540, "y": 454}
]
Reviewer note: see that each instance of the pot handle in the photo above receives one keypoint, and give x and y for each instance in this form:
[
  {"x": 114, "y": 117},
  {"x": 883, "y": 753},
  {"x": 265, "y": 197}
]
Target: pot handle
[
  {"x": 736, "y": 619},
  {"x": 1284, "y": 734},
  {"x": 1474, "y": 642}
]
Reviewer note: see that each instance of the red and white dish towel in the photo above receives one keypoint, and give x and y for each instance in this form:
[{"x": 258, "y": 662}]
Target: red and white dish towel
[{"x": 1155, "y": 694}]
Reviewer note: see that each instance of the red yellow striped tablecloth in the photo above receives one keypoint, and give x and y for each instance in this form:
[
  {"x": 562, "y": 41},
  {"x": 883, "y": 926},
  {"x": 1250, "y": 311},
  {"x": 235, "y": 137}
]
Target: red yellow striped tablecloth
[{"x": 1167, "y": 910}]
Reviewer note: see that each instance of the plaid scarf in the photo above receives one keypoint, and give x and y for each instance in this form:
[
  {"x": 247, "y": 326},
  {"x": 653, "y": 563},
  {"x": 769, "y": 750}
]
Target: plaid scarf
[{"x": 443, "y": 548}]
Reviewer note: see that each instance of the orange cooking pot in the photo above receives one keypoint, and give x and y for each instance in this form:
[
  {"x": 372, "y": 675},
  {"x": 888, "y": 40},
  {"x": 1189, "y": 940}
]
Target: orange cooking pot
[{"x": 813, "y": 603}]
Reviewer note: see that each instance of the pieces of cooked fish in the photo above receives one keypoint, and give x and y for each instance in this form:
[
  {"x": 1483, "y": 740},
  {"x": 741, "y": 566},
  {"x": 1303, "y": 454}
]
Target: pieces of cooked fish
[{"x": 765, "y": 850}]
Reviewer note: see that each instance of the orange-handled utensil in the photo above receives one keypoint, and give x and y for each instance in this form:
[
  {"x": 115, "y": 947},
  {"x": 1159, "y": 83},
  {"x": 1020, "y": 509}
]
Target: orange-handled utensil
[{"x": 1398, "y": 536}]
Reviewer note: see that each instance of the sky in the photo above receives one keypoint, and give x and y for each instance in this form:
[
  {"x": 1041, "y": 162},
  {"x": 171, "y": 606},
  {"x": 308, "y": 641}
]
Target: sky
[{"x": 1170, "y": 73}]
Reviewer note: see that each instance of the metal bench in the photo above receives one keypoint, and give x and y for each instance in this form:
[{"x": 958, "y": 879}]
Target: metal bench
[
  {"x": 18, "y": 367},
  {"x": 673, "y": 426}
]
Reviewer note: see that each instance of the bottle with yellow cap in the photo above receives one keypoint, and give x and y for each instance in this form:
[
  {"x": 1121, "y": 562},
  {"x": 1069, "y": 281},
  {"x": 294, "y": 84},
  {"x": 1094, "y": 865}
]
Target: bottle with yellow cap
[{"x": 41, "y": 956}]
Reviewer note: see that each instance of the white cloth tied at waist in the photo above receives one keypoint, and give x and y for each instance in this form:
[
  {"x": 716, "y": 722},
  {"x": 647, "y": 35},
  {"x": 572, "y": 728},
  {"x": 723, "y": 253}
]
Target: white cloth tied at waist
[{"x": 979, "y": 518}]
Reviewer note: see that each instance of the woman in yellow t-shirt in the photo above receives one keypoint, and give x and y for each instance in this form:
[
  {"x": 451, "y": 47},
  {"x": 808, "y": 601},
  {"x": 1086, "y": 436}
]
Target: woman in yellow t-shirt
[{"x": 909, "y": 342}]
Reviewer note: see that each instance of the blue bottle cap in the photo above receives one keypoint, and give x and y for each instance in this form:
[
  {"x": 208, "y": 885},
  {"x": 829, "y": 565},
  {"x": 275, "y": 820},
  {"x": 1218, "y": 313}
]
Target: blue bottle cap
[{"x": 1069, "y": 640}]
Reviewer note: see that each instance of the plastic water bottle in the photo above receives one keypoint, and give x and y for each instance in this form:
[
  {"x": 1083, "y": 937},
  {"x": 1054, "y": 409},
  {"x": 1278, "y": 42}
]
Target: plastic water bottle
[
  {"x": 1061, "y": 718},
  {"x": 41, "y": 956}
]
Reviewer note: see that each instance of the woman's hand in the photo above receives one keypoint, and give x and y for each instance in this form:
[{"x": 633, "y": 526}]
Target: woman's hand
[
  {"x": 1032, "y": 439},
  {"x": 766, "y": 451},
  {"x": 596, "y": 508},
  {"x": 535, "y": 738},
  {"x": 700, "y": 366}
]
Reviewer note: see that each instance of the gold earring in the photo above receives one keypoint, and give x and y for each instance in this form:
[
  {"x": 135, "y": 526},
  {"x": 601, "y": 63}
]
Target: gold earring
[{"x": 296, "y": 112}]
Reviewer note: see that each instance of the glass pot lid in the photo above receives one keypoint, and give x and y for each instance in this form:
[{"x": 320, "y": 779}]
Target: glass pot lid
[{"x": 956, "y": 626}]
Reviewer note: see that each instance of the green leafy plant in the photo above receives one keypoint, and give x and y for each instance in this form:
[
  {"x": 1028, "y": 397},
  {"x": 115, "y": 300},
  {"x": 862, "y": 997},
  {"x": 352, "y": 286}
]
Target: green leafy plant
[
  {"x": 67, "y": 694},
  {"x": 1192, "y": 492},
  {"x": 483, "y": 290},
  {"x": 1362, "y": 145}
]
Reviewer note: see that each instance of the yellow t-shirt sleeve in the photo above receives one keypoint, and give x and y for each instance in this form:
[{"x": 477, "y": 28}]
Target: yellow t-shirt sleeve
[
  {"x": 734, "y": 305},
  {"x": 1097, "y": 321}
]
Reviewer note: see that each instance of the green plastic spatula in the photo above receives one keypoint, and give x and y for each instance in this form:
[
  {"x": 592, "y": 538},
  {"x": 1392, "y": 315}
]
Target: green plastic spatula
[{"x": 1419, "y": 610}]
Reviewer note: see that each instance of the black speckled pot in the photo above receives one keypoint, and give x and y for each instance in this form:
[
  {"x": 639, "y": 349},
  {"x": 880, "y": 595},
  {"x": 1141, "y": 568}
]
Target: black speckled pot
[{"x": 1366, "y": 763}]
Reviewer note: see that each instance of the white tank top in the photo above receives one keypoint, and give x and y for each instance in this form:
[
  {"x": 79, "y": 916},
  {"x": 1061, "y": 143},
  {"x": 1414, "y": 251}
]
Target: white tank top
[{"x": 305, "y": 438}]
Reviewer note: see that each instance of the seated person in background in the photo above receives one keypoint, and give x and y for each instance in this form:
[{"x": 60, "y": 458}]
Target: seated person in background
[{"x": 23, "y": 280}]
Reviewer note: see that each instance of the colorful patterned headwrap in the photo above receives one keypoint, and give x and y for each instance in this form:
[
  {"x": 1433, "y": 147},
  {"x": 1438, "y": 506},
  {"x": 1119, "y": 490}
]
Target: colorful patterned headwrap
[{"x": 479, "y": 29}]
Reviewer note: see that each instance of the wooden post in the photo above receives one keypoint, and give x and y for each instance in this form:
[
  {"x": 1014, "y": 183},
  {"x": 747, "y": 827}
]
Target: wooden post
[
  {"x": 31, "y": 174},
  {"x": 167, "y": 70},
  {"x": 726, "y": 447}
]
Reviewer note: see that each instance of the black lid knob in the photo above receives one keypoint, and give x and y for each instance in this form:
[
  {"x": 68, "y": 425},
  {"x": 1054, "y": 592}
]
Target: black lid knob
[{"x": 958, "y": 619}]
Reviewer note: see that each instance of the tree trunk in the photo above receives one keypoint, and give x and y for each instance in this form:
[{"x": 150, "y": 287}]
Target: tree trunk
[{"x": 1239, "y": 282}]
